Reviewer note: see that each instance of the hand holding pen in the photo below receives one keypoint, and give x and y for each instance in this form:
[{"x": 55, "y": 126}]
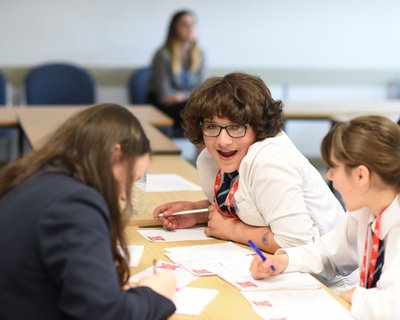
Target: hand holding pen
[
  {"x": 180, "y": 214},
  {"x": 264, "y": 266}
]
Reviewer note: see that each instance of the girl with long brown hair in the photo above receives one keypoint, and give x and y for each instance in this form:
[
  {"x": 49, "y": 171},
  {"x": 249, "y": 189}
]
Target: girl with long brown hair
[{"x": 62, "y": 228}]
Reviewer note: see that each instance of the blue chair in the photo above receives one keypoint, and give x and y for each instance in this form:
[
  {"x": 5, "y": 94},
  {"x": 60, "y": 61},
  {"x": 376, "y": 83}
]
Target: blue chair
[
  {"x": 137, "y": 86},
  {"x": 5, "y": 133},
  {"x": 59, "y": 83},
  {"x": 3, "y": 86}
]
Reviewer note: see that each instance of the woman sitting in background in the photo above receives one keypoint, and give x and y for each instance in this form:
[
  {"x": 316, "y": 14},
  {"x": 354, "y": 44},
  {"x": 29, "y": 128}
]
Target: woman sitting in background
[
  {"x": 177, "y": 67},
  {"x": 64, "y": 255}
]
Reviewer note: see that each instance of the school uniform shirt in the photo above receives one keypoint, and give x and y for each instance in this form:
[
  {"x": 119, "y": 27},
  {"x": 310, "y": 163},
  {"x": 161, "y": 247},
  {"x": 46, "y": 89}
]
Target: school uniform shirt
[
  {"x": 56, "y": 260},
  {"x": 279, "y": 188},
  {"x": 342, "y": 250}
]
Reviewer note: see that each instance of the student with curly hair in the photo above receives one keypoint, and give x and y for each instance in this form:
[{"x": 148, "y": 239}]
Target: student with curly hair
[{"x": 274, "y": 196}]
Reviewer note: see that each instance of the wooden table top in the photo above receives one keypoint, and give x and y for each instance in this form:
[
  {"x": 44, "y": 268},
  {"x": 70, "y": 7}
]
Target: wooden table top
[
  {"x": 37, "y": 123},
  {"x": 168, "y": 164}
]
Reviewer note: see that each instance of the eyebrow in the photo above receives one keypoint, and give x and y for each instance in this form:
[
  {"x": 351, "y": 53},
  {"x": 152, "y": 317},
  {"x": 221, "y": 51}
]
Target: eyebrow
[{"x": 215, "y": 122}]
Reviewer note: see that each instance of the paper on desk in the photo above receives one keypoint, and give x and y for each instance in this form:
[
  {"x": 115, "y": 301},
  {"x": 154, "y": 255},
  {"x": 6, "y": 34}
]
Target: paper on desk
[
  {"x": 296, "y": 305},
  {"x": 183, "y": 276},
  {"x": 223, "y": 247},
  {"x": 290, "y": 280},
  {"x": 169, "y": 182},
  {"x": 135, "y": 254},
  {"x": 161, "y": 235},
  {"x": 192, "y": 301},
  {"x": 212, "y": 259}
]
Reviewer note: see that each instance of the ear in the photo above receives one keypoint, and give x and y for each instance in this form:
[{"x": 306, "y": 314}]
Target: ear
[
  {"x": 116, "y": 153},
  {"x": 363, "y": 174}
]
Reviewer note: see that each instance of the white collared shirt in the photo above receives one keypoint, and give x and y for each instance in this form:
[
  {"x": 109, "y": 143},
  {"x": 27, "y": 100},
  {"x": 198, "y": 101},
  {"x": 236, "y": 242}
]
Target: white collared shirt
[
  {"x": 279, "y": 188},
  {"x": 341, "y": 251}
]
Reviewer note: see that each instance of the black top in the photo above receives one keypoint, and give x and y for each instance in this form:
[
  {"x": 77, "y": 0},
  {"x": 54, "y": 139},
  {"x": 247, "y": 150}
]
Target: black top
[{"x": 56, "y": 260}]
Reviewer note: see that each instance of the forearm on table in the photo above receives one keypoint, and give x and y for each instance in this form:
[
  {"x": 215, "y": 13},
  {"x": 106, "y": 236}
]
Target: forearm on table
[
  {"x": 263, "y": 237},
  {"x": 202, "y": 217}
]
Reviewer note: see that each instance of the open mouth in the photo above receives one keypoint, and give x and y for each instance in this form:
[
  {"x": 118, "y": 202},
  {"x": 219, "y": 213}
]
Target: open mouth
[{"x": 227, "y": 154}]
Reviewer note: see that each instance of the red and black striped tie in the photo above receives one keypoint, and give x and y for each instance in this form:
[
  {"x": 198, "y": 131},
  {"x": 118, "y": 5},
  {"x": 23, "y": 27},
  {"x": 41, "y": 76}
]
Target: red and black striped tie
[{"x": 223, "y": 191}]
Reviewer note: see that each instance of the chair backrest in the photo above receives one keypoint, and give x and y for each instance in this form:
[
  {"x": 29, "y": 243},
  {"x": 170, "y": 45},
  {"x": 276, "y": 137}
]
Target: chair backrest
[
  {"x": 3, "y": 86},
  {"x": 137, "y": 86},
  {"x": 59, "y": 83}
]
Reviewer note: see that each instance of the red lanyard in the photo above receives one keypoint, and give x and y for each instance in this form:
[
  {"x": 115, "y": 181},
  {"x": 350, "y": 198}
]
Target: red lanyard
[
  {"x": 374, "y": 253},
  {"x": 229, "y": 198}
]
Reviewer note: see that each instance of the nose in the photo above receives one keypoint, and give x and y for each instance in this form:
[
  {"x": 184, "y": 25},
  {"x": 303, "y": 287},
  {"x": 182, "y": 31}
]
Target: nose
[
  {"x": 329, "y": 174},
  {"x": 224, "y": 138}
]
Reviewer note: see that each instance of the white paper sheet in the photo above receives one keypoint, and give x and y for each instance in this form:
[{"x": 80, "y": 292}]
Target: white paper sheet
[
  {"x": 290, "y": 280},
  {"x": 192, "y": 301},
  {"x": 212, "y": 259},
  {"x": 169, "y": 182},
  {"x": 183, "y": 276},
  {"x": 135, "y": 254},
  {"x": 161, "y": 235},
  {"x": 223, "y": 247},
  {"x": 296, "y": 305}
]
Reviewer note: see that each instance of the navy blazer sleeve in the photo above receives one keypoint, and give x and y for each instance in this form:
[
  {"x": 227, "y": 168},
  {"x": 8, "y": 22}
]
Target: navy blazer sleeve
[{"x": 74, "y": 242}]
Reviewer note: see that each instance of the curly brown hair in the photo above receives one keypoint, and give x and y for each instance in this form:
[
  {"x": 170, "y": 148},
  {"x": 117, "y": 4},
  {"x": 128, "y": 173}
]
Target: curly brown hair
[{"x": 240, "y": 97}]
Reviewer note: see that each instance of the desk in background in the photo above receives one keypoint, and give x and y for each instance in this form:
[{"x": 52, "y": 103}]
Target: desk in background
[
  {"x": 340, "y": 111},
  {"x": 38, "y": 122},
  {"x": 292, "y": 110},
  {"x": 306, "y": 123},
  {"x": 147, "y": 113},
  {"x": 8, "y": 118}
]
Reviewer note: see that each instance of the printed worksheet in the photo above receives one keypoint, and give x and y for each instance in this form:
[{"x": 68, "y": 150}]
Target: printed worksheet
[
  {"x": 296, "y": 305},
  {"x": 212, "y": 259},
  {"x": 290, "y": 280},
  {"x": 161, "y": 235},
  {"x": 183, "y": 276},
  {"x": 169, "y": 182}
]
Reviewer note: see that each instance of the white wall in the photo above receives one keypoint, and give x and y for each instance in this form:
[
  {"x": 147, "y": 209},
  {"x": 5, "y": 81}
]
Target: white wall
[{"x": 234, "y": 33}]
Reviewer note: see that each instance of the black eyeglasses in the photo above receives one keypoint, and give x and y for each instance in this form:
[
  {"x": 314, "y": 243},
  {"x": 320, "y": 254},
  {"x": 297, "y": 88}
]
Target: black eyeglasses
[{"x": 233, "y": 130}]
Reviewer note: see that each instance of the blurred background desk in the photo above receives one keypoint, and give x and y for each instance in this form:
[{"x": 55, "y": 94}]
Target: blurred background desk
[
  {"x": 340, "y": 111},
  {"x": 306, "y": 123},
  {"x": 8, "y": 117},
  {"x": 147, "y": 113},
  {"x": 38, "y": 122}
]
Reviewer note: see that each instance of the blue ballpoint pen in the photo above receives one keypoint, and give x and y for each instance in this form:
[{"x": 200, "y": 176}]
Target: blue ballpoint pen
[{"x": 258, "y": 251}]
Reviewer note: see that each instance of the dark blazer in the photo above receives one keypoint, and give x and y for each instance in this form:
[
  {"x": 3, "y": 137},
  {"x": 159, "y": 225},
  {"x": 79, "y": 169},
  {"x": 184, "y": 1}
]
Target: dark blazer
[{"x": 56, "y": 261}]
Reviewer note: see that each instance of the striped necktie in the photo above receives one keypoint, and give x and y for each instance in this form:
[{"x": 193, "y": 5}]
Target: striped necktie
[
  {"x": 379, "y": 264},
  {"x": 223, "y": 191}
]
